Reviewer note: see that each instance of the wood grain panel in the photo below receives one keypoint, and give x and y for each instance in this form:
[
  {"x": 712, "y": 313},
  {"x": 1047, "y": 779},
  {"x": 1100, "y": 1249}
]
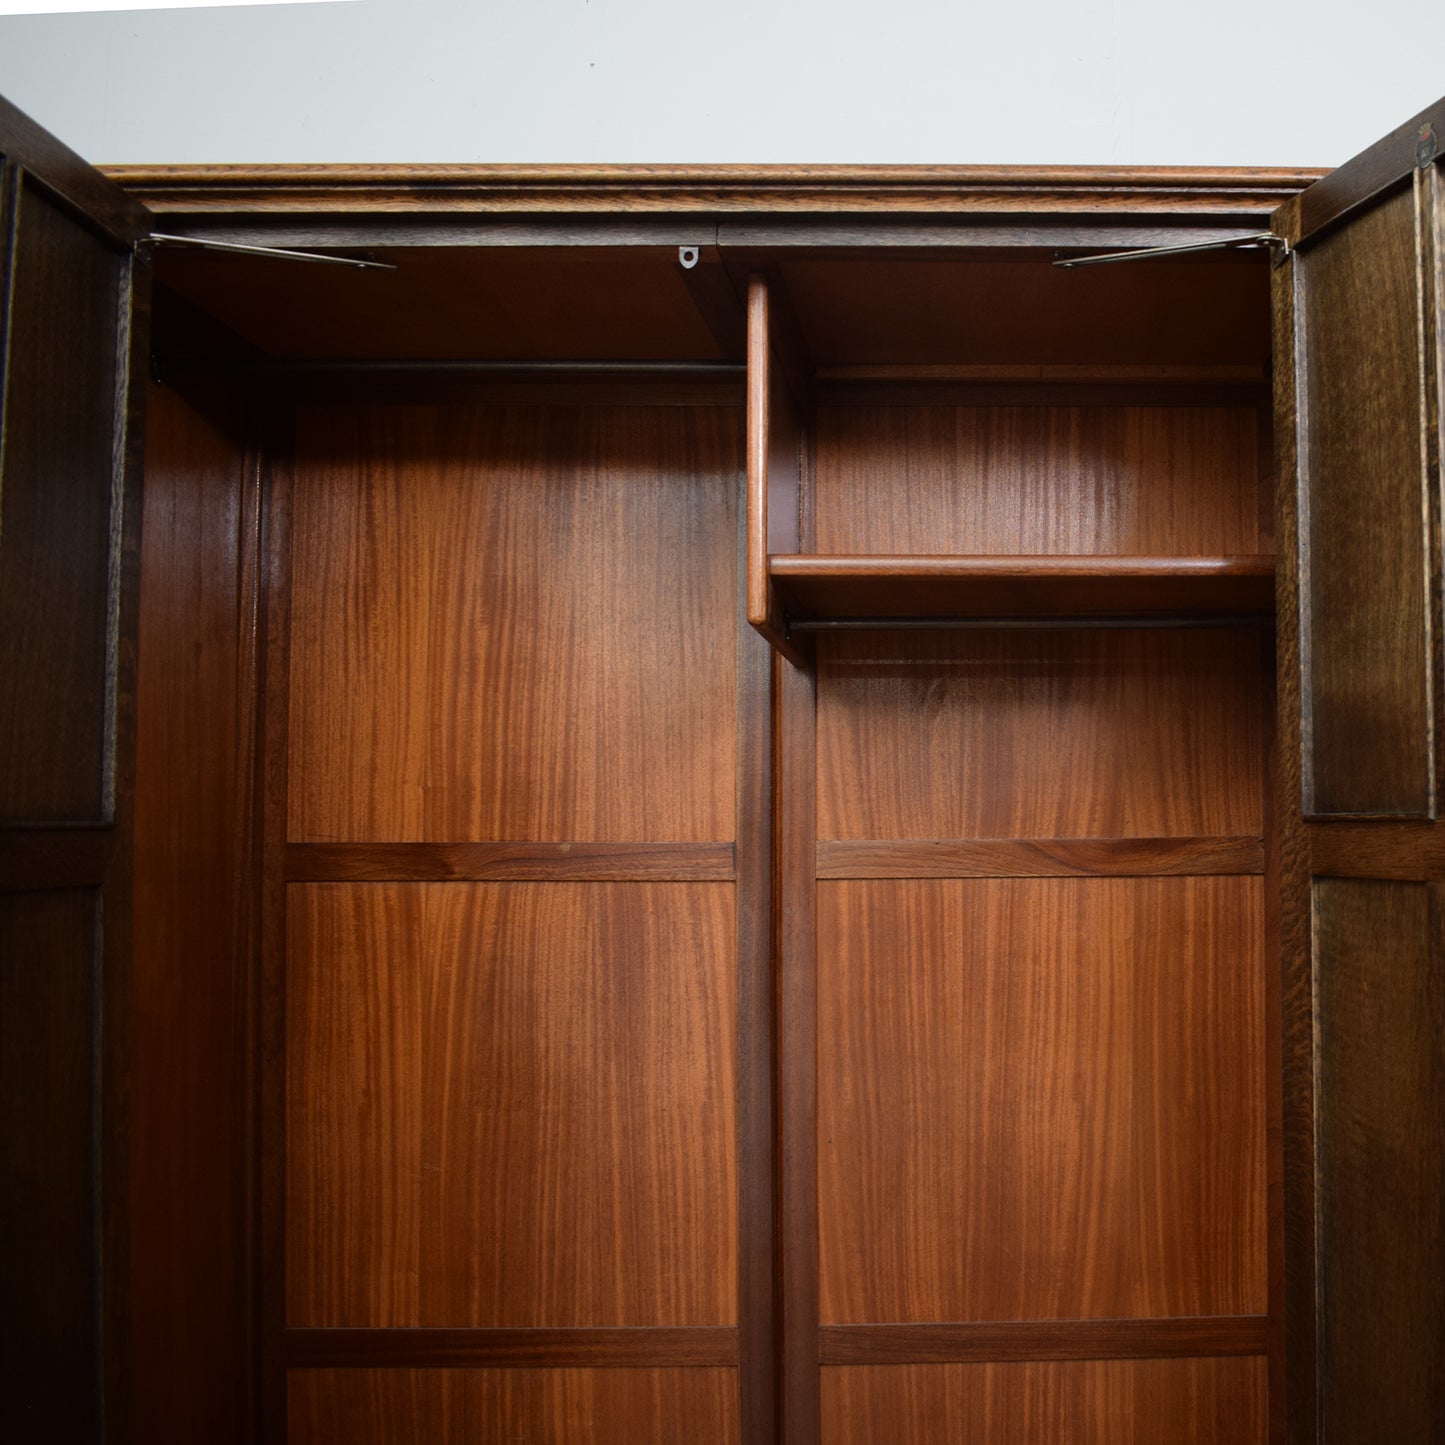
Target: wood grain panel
[
  {"x": 1039, "y": 735},
  {"x": 1048, "y": 480},
  {"x": 1367, "y": 686},
  {"x": 1381, "y": 1080},
  {"x": 424, "y": 1407},
  {"x": 914, "y": 587},
  {"x": 1107, "y": 1402},
  {"x": 651, "y": 1345},
  {"x": 56, "y": 528},
  {"x": 1044, "y": 1340},
  {"x": 191, "y": 976},
  {"x": 507, "y": 862},
  {"x": 512, "y": 303},
  {"x": 49, "y": 1107},
  {"x": 514, "y": 624},
  {"x": 1036, "y": 857},
  {"x": 1040, "y": 1099},
  {"x": 995, "y": 309},
  {"x": 511, "y": 1105}
]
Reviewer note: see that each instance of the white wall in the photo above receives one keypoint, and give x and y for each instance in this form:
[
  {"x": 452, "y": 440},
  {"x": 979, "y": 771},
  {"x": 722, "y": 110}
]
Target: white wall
[{"x": 1132, "y": 82}]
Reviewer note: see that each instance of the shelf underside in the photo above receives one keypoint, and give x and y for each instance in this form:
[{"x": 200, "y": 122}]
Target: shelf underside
[{"x": 824, "y": 589}]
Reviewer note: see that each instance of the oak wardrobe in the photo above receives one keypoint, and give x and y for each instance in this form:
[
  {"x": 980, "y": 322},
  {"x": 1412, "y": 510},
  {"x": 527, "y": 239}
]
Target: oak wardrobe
[{"x": 721, "y": 804}]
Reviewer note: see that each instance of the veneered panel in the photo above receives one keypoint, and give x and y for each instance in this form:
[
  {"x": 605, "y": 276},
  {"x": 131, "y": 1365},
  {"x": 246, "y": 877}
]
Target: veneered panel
[
  {"x": 466, "y": 303},
  {"x": 1364, "y": 622},
  {"x": 1020, "y": 480},
  {"x": 1381, "y": 1130},
  {"x": 1040, "y": 1099},
  {"x": 1086, "y": 1402},
  {"x": 511, "y": 1104},
  {"x": 56, "y": 524},
  {"x": 514, "y": 623},
  {"x": 599, "y": 1407},
  {"x": 1209, "y": 312},
  {"x": 190, "y": 974},
  {"x": 1039, "y": 735},
  {"x": 49, "y": 988}
]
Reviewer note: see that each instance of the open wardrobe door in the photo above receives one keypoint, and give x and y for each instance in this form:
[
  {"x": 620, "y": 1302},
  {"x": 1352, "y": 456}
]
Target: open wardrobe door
[
  {"x": 1358, "y": 391},
  {"x": 72, "y": 336}
]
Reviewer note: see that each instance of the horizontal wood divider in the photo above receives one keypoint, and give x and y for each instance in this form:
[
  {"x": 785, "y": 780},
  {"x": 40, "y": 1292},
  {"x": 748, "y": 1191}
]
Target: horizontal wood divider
[
  {"x": 652, "y": 1348},
  {"x": 1012, "y": 1340},
  {"x": 38, "y": 859},
  {"x": 509, "y": 862},
  {"x": 1406, "y": 852},
  {"x": 1037, "y": 857}
]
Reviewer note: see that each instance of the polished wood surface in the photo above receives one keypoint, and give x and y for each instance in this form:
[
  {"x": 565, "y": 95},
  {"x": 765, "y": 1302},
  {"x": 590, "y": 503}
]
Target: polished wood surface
[
  {"x": 57, "y": 520},
  {"x": 1067, "y": 481},
  {"x": 998, "y": 309},
  {"x": 1041, "y": 735},
  {"x": 935, "y": 1344},
  {"x": 192, "y": 982},
  {"x": 513, "y": 304},
  {"x": 511, "y": 1104},
  {"x": 1381, "y": 1133},
  {"x": 797, "y": 1049},
  {"x": 774, "y": 463},
  {"x": 1049, "y": 1105},
  {"x": 759, "y": 1329},
  {"x": 599, "y": 1406},
  {"x": 1367, "y": 702},
  {"x": 1109, "y": 1402},
  {"x": 492, "y": 608},
  {"x": 49, "y": 1113},
  {"x": 811, "y": 587},
  {"x": 1168, "y": 192},
  {"x": 565, "y": 1349},
  {"x": 507, "y": 862},
  {"x": 1036, "y": 857}
]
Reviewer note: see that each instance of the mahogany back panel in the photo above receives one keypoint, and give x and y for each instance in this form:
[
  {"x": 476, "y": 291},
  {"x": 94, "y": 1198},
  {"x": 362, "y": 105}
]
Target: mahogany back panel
[
  {"x": 1086, "y": 1402},
  {"x": 1040, "y": 734},
  {"x": 1040, "y": 1099},
  {"x": 513, "y": 623},
  {"x": 509, "y": 984},
  {"x": 511, "y": 1104},
  {"x": 1033, "y": 480},
  {"x": 425, "y": 1407}
]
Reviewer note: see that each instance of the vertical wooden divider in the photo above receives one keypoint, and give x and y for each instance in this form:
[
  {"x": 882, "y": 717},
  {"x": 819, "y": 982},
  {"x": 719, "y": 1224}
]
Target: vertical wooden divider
[
  {"x": 773, "y": 452},
  {"x": 271, "y": 1082},
  {"x": 795, "y": 772},
  {"x": 757, "y": 1273}
]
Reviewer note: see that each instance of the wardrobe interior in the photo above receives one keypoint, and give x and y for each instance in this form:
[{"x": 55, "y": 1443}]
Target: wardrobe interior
[{"x": 866, "y": 1019}]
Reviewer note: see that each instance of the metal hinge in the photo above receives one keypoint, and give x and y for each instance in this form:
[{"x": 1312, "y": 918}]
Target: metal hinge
[
  {"x": 158, "y": 238},
  {"x": 1228, "y": 243}
]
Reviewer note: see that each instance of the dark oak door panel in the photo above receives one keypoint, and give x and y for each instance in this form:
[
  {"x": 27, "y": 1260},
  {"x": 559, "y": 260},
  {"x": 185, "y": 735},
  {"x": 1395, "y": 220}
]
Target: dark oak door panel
[
  {"x": 71, "y": 335},
  {"x": 1358, "y": 377}
]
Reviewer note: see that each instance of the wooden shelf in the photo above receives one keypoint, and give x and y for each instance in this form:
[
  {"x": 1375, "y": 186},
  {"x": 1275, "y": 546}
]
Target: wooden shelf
[{"x": 818, "y": 590}]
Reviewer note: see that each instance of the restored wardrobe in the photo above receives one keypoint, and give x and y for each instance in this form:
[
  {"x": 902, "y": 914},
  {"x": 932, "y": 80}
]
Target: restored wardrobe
[{"x": 721, "y": 805}]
